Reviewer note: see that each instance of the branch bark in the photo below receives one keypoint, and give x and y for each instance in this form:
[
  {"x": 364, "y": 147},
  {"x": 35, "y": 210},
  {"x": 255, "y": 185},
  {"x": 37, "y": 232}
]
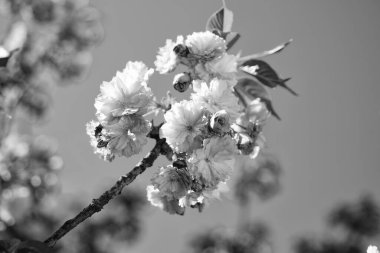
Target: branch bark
[{"x": 98, "y": 203}]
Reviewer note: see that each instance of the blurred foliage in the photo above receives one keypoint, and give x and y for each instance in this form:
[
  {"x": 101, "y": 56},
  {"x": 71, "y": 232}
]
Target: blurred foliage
[
  {"x": 113, "y": 231},
  {"x": 250, "y": 238},
  {"x": 46, "y": 43},
  {"x": 358, "y": 221},
  {"x": 118, "y": 227},
  {"x": 28, "y": 172},
  {"x": 259, "y": 177}
]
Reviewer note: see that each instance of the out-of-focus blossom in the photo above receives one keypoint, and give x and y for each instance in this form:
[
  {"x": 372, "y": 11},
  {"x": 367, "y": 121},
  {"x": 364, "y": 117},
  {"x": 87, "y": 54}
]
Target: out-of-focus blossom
[
  {"x": 28, "y": 172},
  {"x": 221, "y": 188},
  {"x": 167, "y": 60},
  {"x": 183, "y": 122},
  {"x": 214, "y": 162},
  {"x": 3, "y": 52},
  {"x": 372, "y": 249},
  {"x": 126, "y": 94},
  {"x": 16, "y": 37},
  {"x": 216, "y": 96},
  {"x": 205, "y": 46},
  {"x": 256, "y": 111},
  {"x": 260, "y": 176},
  {"x": 15, "y": 202}
]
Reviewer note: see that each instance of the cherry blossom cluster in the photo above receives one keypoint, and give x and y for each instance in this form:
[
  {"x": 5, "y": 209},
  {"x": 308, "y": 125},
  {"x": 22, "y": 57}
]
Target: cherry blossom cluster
[{"x": 221, "y": 120}]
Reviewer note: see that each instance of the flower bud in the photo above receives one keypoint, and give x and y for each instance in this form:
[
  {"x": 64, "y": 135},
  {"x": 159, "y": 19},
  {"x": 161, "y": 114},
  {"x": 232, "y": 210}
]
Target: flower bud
[
  {"x": 181, "y": 50},
  {"x": 245, "y": 144},
  {"x": 220, "y": 122},
  {"x": 182, "y": 81}
]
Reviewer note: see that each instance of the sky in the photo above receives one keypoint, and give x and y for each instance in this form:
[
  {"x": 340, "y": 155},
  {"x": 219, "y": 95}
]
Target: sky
[{"x": 327, "y": 141}]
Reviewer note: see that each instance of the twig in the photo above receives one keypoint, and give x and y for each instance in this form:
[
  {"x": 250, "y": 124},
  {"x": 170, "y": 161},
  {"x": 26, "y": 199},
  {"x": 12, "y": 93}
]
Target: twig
[
  {"x": 98, "y": 204},
  {"x": 224, "y": 4}
]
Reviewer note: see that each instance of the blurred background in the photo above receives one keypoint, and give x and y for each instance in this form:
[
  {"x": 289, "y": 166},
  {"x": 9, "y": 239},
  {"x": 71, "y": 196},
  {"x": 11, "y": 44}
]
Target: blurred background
[{"x": 327, "y": 142}]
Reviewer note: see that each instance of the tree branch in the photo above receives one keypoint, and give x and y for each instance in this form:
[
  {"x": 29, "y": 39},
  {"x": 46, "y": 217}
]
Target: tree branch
[{"x": 98, "y": 204}]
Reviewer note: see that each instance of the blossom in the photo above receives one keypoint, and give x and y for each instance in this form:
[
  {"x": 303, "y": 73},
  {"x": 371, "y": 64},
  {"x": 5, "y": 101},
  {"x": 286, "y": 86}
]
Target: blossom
[
  {"x": 154, "y": 197},
  {"x": 198, "y": 199},
  {"x": 167, "y": 60},
  {"x": 172, "y": 182},
  {"x": 257, "y": 111},
  {"x": 193, "y": 199},
  {"x": 205, "y": 45},
  {"x": 169, "y": 205},
  {"x": 183, "y": 122},
  {"x": 220, "y": 122},
  {"x": 221, "y": 188},
  {"x": 249, "y": 137},
  {"x": 224, "y": 67},
  {"x": 213, "y": 163},
  {"x": 127, "y": 93},
  {"x": 95, "y": 139},
  {"x": 218, "y": 96},
  {"x": 372, "y": 249},
  {"x": 128, "y": 136}
]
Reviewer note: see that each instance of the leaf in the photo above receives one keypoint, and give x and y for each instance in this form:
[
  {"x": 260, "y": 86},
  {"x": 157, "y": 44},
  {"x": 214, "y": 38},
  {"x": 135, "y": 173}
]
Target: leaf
[
  {"x": 266, "y": 74},
  {"x": 220, "y": 21},
  {"x": 32, "y": 247},
  {"x": 248, "y": 89},
  {"x": 275, "y": 50}
]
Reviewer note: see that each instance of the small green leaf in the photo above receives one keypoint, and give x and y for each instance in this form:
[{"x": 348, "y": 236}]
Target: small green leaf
[
  {"x": 220, "y": 21},
  {"x": 248, "y": 89},
  {"x": 266, "y": 74},
  {"x": 275, "y": 50},
  {"x": 32, "y": 247}
]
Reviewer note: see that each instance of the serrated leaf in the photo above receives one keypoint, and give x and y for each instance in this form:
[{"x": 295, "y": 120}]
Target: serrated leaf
[
  {"x": 32, "y": 247},
  {"x": 275, "y": 50},
  {"x": 248, "y": 89},
  {"x": 266, "y": 74},
  {"x": 220, "y": 21}
]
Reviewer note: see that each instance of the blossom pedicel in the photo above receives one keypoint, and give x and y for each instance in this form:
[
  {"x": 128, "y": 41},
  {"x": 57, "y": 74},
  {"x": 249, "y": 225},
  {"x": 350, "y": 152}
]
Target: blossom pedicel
[{"x": 223, "y": 119}]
